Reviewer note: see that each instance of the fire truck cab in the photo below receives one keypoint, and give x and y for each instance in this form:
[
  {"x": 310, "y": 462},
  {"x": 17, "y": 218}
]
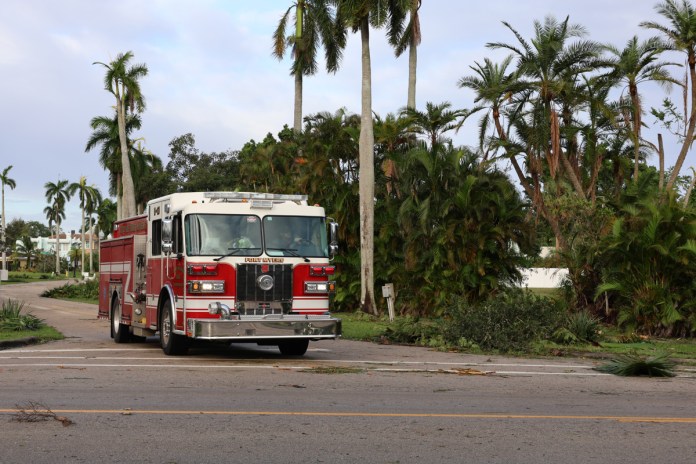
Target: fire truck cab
[{"x": 233, "y": 266}]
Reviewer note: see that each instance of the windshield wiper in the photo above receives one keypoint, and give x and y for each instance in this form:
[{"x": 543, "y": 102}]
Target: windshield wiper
[
  {"x": 234, "y": 251},
  {"x": 291, "y": 251}
]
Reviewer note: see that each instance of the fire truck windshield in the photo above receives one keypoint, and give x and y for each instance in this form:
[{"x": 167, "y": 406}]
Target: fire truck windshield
[
  {"x": 295, "y": 236},
  {"x": 222, "y": 235}
]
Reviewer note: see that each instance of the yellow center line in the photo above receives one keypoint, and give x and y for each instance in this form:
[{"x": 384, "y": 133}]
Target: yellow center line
[{"x": 681, "y": 420}]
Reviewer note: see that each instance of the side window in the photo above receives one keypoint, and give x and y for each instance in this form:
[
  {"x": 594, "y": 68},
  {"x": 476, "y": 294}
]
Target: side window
[
  {"x": 178, "y": 236},
  {"x": 157, "y": 237}
]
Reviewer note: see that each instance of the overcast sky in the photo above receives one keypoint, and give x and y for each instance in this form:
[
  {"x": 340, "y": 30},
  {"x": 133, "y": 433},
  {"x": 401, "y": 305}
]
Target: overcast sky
[{"x": 212, "y": 74}]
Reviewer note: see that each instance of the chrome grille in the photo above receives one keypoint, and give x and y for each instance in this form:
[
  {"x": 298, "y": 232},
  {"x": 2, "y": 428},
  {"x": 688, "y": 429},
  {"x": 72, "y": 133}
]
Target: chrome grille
[{"x": 248, "y": 290}]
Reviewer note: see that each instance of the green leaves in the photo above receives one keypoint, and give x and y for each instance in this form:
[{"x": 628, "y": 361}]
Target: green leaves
[
  {"x": 634, "y": 365},
  {"x": 12, "y": 319},
  {"x": 648, "y": 267}
]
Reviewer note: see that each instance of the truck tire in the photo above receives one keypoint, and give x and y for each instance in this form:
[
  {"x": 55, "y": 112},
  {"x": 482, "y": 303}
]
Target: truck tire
[
  {"x": 119, "y": 332},
  {"x": 293, "y": 347},
  {"x": 172, "y": 344}
]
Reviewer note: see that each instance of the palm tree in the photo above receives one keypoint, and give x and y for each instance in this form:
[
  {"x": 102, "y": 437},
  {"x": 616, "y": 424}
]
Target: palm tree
[
  {"x": 106, "y": 135},
  {"x": 680, "y": 35},
  {"x": 27, "y": 249},
  {"x": 434, "y": 121},
  {"x": 57, "y": 195},
  {"x": 634, "y": 64},
  {"x": 5, "y": 180},
  {"x": 552, "y": 66},
  {"x": 86, "y": 194},
  {"x": 360, "y": 15},
  {"x": 411, "y": 39},
  {"x": 91, "y": 207},
  {"x": 393, "y": 139},
  {"x": 106, "y": 216},
  {"x": 143, "y": 164},
  {"x": 314, "y": 26},
  {"x": 122, "y": 82}
]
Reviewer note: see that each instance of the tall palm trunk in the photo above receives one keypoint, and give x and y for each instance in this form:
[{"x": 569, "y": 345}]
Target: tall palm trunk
[
  {"x": 297, "y": 125},
  {"x": 635, "y": 102},
  {"x": 57, "y": 247},
  {"x": 4, "y": 255},
  {"x": 82, "y": 263},
  {"x": 119, "y": 197},
  {"x": 692, "y": 124},
  {"x": 537, "y": 200},
  {"x": 91, "y": 245},
  {"x": 128, "y": 202},
  {"x": 412, "y": 67},
  {"x": 367, "y": 179}
]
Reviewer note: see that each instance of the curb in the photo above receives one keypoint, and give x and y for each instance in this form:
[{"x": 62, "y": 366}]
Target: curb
[{"x": 5, "y": 344}]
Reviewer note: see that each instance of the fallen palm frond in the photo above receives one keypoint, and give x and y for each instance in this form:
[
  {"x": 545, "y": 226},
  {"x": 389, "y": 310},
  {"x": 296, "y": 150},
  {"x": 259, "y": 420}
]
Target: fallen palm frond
[{"x": 634, "y": 366}]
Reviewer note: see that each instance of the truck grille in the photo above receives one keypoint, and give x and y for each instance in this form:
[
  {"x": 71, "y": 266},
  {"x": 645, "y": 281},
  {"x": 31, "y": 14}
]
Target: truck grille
[{"x": 248, "y": 290}]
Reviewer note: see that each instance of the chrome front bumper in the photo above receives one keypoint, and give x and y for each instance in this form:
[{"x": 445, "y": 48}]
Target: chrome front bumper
[{"x": 266, "y": 327}]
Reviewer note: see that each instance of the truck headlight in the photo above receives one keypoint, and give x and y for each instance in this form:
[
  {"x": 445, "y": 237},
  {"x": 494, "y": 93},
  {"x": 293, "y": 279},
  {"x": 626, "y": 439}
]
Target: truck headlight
[
  {"x": 320, "y": 287},
  {"x": 206, "y": 286}
]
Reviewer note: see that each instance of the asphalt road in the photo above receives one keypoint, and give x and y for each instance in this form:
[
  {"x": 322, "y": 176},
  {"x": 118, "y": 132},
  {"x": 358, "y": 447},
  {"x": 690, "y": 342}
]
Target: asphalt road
[{"x": 343, "y": 401}]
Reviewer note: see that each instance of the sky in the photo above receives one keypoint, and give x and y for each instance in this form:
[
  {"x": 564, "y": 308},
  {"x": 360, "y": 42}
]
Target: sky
[{"x": 211, "y": 73}]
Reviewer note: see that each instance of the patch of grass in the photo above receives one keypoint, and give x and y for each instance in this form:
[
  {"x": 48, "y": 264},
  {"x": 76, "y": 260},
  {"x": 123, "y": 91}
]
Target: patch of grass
[
  {"x": 362, "y": 327},
  {"x": 23, "y": 277},
  {"x": 44, "y": 334},
  {"x": 14, "y": 325},
  {"x": 554, "y": 293}
]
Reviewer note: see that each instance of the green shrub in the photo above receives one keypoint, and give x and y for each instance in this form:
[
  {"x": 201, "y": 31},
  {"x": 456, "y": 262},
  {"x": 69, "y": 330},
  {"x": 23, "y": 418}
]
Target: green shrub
[
  {"x": 580, "y": 327},
  {"x": 510, "y": 321},
  {"x": 84, "y": 290},
  {"x": 12, "y": 319},
  {"x": 414, "y": 331}
]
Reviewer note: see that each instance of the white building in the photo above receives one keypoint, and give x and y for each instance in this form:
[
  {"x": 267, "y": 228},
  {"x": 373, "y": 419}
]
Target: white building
[{"x": 66, "y": 243}]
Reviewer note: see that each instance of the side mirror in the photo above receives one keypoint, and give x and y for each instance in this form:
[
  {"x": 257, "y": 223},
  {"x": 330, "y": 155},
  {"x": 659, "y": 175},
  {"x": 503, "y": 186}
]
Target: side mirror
[
  {"x": 333, "y": 238},
  {"x": 167, "y": 244}
]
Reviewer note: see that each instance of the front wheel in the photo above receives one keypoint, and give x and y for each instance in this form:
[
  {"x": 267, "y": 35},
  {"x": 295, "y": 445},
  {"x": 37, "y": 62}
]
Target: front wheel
[
  {"x": 293, "y": 347},
  {"x": 172, "y": 344},
  {"x": 119, "y": 332}
]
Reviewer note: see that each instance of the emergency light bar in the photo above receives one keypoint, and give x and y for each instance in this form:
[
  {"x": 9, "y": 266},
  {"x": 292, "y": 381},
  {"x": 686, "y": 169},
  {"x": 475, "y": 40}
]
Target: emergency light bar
[{"x": 251, "y": 196}]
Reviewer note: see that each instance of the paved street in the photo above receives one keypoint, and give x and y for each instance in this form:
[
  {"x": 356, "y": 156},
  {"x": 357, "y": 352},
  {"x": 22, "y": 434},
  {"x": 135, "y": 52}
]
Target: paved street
[{"x": 342, "y": 402}]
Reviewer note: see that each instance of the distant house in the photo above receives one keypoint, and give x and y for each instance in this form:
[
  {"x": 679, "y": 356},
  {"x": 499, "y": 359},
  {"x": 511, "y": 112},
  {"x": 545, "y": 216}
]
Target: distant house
[
  {"x": 66, "y": 243},
  {"x": 47, "y": 245}
]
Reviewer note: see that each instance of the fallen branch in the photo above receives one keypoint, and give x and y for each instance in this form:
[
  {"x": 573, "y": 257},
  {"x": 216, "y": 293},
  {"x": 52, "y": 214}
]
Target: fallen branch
[{"x": 34, "y": 411}]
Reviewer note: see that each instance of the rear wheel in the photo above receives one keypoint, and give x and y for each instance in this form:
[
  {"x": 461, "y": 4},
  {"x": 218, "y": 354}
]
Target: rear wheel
[
  {"x": 119, "y": 332},
  {"x": 293, "y": 347},
  {"x": 172, "y": 344}
]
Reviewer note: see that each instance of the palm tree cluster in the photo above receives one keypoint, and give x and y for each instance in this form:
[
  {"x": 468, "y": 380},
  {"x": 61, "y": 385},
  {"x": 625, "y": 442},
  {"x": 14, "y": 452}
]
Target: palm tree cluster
[{"x": 91, "y": 203}]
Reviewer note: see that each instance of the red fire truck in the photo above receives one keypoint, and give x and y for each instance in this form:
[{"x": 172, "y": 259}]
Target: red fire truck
[{"x": 232, "y": 266}]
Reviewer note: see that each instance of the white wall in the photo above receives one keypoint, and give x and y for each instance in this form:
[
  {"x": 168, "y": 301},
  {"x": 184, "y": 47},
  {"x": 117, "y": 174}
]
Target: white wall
[{"x": 543, "y": 277}]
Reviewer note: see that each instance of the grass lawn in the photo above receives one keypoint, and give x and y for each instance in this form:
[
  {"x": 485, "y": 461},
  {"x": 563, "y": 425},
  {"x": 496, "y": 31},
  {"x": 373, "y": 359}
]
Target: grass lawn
[
  {"x": 361, "y": 326},
  {"x": 44, "y": 334},
  {"x": 23, "y": 277}
]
